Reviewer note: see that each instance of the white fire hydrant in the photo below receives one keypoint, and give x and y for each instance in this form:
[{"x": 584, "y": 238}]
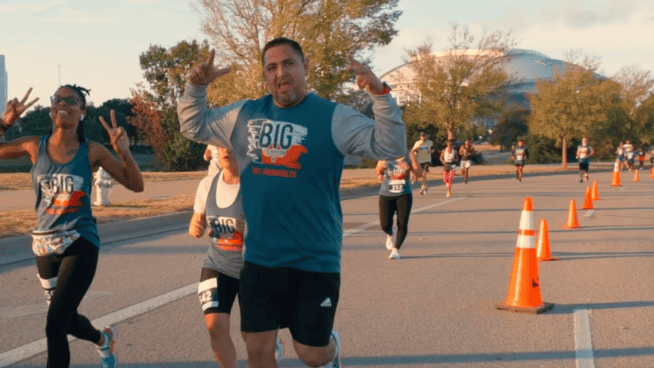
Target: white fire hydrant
[{"x": 103, "y": 182}]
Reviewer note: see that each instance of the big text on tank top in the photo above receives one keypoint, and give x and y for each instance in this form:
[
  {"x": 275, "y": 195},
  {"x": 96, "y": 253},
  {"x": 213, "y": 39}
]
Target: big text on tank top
[
  {"x": 63, "y": 192},
  {"x": 226, "y": 221}
]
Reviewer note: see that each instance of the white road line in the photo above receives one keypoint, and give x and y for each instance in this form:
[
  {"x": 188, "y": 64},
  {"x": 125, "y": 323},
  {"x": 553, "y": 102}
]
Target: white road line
[
  {"x": 39, "y": 346},
  {"x": 417, "y": 210},
  {"x": 583, "y": 342},
  {"x": 589, "y": 213}
]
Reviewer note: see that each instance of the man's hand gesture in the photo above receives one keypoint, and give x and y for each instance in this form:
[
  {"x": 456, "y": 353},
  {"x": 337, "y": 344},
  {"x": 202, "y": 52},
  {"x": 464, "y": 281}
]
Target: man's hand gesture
[
  {"x": 366, "y": 79},
  {"x": 205, "y": 73},
  {"x": 16, "y": 108}
]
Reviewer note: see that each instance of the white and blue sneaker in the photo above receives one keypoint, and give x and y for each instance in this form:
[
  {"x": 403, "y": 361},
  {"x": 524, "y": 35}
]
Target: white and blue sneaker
[
  {"x": 107, "y": 353},
  {"x": 389, "y": 241},
  {"x": 279, "y": 349},
  {"x": 336, "y": 360}
]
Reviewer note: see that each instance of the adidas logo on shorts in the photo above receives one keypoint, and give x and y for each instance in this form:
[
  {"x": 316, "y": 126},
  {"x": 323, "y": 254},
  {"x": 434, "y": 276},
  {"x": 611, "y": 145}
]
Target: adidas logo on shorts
[{"x": 326, "y": 303}]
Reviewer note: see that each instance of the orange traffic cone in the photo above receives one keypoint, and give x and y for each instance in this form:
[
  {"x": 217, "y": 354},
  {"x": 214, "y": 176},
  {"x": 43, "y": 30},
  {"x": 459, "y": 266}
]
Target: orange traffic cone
[
  {"x": 594, "y": 194},
  {"x": 652, "y": 174},
  {"x": 615, "y": 181},
  {"x": 543, "y": 245},
  {"x": 588, "y": 201},
  {"x": 572, "y": 217},
  {"x": 636, "y": 176},
  {"x": 524, "y": 289}
]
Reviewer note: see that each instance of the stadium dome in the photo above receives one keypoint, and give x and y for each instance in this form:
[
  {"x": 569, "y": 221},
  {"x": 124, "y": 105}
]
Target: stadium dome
[{"x": 526, "y": 67}]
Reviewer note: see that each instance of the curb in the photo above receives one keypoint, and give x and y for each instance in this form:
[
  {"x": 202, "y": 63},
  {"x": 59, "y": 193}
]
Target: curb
[{"x": 19, "y": 248}]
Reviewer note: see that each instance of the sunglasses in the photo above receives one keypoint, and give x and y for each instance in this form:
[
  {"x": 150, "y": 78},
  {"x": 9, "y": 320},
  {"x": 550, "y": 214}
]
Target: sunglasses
[{"x": 70, "y": 100}]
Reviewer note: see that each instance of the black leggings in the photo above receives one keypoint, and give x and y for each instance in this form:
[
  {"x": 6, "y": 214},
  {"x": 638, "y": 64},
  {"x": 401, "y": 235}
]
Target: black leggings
[
  {"x": 388, "y": 206},
  {"x": 74, "y": 271}
]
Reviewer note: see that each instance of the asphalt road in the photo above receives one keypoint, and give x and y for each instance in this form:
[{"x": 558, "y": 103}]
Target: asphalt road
[{"x": 432, "y": 308}]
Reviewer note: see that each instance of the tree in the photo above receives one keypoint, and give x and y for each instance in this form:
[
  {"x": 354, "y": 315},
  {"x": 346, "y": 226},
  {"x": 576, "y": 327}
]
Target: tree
[
  {"x": 155, "y": 109},
  {"x": 328, "y": 30},
  {"x": 513, "y": 124},
  {"x": 577, "y": 102},
  {"x": 462, "y": 82},
  {"x": 637, "y": 86},
  {"x": 146, "y": 118}
]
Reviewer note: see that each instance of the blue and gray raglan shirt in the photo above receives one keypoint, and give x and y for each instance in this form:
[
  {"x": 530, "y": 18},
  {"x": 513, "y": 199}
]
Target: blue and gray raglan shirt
[{"x": 290, "y": 161}]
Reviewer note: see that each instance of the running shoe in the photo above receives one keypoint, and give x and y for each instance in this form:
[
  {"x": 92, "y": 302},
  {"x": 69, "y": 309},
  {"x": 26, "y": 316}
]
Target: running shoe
[
  {"x": 336, "y": 360},
  {"x": 587, "y": 177},
  {"x": 581, "y": 180},
  {"x": 448, "y": 194},
  {"x": 389, "y": 241},
  {"x": 107, "y": 353},
  {"x": 395, "y": 254},
  {"x": 279, "y": 349}
]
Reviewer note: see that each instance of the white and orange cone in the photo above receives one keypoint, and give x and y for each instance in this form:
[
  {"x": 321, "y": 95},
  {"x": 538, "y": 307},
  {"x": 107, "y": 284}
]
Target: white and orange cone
[
  {"x": 524, "y": 286},
  {"x": 615, "y": 180}
]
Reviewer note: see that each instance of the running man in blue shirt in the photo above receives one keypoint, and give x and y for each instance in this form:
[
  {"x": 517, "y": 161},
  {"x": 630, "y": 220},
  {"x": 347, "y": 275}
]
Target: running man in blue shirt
[{"x": 290, "y": 147}]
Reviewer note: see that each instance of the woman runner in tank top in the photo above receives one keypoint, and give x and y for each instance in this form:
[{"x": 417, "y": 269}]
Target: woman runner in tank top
[
  {"x": 395, "y": 197},
  {"x": 219, "y": 207},
  {"x": 449, "y": 157},
  {"x": 65, "y": 239},
  {"x": 619, "y": 154}
]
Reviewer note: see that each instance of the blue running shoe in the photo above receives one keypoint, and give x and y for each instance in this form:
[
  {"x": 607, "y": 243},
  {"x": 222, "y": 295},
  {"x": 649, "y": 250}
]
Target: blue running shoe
[
  {"x": 279, "y": 349},
  {"x": 107, "y": 353}
]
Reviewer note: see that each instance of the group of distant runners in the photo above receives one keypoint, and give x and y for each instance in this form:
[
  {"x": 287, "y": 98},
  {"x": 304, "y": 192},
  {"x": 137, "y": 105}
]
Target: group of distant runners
[{"x": 626, "y": 155}]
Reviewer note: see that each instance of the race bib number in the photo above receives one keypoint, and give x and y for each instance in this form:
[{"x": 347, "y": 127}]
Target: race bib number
[{"x": 396, "y": 186}]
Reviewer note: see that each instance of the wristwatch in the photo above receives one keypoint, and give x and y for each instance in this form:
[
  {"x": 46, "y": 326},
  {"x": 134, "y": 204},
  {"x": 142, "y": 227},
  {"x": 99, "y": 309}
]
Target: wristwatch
[{"x": 387, "y": 89}]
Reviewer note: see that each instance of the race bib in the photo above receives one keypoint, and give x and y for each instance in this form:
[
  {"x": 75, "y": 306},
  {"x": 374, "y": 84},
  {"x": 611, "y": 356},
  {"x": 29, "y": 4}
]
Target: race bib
[{"x": 396, "y": 186}]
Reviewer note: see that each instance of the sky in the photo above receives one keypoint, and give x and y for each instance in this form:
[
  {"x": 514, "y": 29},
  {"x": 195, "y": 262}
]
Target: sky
[{"x": 96, "y": 44}]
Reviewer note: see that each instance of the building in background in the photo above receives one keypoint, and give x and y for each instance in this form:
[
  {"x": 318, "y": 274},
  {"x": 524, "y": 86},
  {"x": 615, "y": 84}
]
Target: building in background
[{"x": 525, "y": 67}]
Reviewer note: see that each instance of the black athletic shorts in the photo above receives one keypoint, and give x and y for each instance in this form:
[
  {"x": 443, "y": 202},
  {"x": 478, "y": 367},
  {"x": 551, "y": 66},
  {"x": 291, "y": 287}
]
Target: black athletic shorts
[
  {"x": 303, "y": 301},
  {"x": 217, "y": 291},
  {"x": 583, "y": 166}
]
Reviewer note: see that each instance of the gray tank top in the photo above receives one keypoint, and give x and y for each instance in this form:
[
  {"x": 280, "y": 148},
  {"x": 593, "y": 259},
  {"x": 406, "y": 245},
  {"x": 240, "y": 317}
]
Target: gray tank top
[
  {"x": 226, "y": 221},
  {"x": 63, "y": 195},
  {"x": 396, "y": 179}
]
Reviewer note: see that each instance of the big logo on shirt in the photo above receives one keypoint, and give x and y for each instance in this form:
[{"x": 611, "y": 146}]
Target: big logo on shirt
[
  {"x": 276, "y": 143},
  {"x": 61, "y": 192}
]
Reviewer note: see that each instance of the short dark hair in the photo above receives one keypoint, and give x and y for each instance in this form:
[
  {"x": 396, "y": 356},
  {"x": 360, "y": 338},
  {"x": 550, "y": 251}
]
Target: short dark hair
[{"x": 281, "y": 41}]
